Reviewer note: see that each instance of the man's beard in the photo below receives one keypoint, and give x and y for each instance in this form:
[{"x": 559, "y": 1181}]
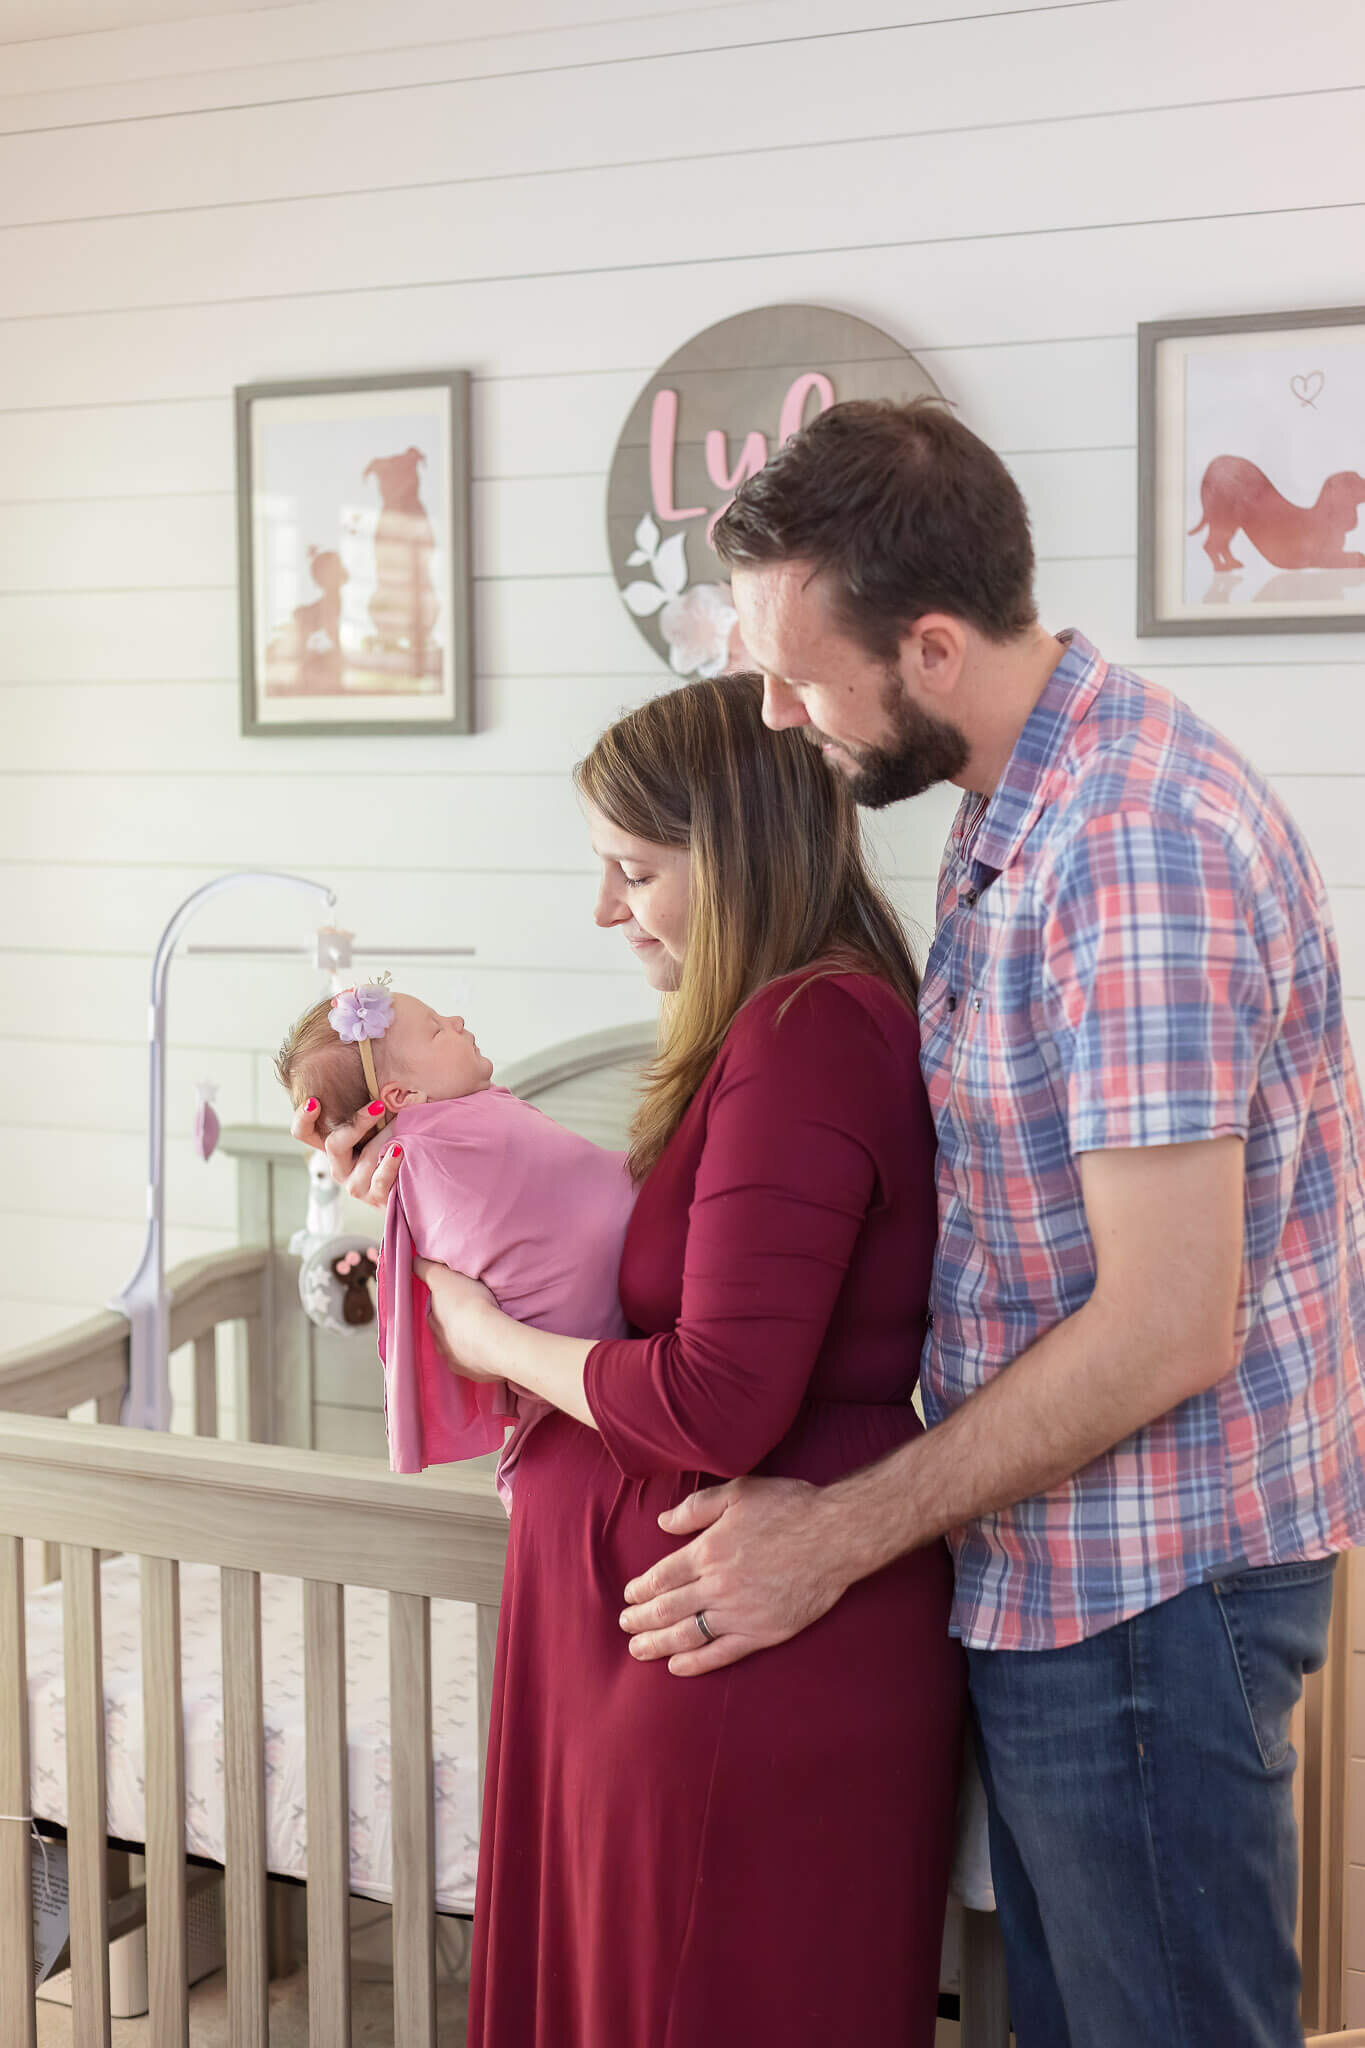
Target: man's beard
[{"x": 921, "y": 751}]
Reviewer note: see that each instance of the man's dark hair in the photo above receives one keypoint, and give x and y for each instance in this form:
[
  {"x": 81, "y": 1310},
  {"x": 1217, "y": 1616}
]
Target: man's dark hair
[{"x": 903, "y": 509}]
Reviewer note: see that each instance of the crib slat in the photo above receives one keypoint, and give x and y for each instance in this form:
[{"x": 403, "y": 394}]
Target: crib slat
[
  {"x": 414, "y": 1834},
  {"x": 485, "y": 1656},
  {"x": 164, "y": 1730},
  {"x": 329, "y": 1825},
  {"x": 206, "y": 1384},
  {"x": 258, "y": 1390},
  {"x": 85, "y": 1797},
  {"x": 18, "y": 2024},
  {"x": 244, "y": 1787}
]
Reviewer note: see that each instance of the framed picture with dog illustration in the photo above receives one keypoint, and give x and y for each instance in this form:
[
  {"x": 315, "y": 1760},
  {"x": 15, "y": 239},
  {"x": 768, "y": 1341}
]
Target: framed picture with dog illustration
[
  {"x": 353, "y": 541},
  {"x": 1251, "y": 474}
]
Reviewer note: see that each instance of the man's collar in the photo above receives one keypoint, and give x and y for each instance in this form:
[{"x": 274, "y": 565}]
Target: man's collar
[{"x": 1026, "y": 786}]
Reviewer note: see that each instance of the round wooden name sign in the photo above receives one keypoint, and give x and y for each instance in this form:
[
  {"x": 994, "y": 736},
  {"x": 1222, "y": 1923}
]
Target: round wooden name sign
[{"x": 704, "y": 422}]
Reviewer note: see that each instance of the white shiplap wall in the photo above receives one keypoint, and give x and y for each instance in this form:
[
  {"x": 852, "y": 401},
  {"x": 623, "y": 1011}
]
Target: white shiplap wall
[{"x": 316, "y": 189}]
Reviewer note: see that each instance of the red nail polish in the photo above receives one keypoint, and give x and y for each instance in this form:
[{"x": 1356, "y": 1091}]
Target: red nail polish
[
  {"x": 397, "y": 1152},
  {"x": 376, "y": 1109},
  {"x": 311, "y": 1105}
]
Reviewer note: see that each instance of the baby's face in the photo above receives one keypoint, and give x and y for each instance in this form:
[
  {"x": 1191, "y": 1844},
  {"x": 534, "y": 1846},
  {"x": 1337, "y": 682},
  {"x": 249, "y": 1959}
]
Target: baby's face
[{"x": 424, "y": 1057}]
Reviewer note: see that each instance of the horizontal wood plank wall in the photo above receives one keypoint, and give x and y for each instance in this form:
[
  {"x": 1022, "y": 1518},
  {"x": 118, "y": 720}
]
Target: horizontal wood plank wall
[{"x": 557, "y": 203}]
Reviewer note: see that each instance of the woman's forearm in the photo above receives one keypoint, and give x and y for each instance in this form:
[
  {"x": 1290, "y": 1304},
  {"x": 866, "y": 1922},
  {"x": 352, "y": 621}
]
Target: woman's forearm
[{"x": 535, "y": 1360}]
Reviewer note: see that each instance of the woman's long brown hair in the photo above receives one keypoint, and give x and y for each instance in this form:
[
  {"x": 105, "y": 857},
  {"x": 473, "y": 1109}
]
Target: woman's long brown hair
[{"x": 778, "y": 877}]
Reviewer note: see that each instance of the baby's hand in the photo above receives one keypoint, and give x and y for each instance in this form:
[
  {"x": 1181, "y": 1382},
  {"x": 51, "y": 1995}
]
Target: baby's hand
[{"x": 355, "y": 1152}]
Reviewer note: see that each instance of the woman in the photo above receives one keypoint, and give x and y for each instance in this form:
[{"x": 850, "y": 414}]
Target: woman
[{"x": 763, "y": 1854}]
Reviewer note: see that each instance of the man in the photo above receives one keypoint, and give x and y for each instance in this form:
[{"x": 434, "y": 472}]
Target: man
[{"x": 1143, "y": 1377}]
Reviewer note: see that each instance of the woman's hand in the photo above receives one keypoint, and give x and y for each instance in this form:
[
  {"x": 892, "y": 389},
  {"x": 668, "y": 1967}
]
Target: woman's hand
[
  {"x": 460, "y": 1314},
  {"x": 355, "y": 1152}
]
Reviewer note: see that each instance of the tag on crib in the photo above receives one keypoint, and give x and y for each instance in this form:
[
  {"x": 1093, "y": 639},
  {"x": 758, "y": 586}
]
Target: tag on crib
[{"x": 51, "y": 1911}]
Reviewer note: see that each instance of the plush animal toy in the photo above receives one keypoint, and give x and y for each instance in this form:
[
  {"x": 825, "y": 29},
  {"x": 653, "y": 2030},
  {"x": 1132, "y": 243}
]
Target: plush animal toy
[{"x": 355, "y": 1270}]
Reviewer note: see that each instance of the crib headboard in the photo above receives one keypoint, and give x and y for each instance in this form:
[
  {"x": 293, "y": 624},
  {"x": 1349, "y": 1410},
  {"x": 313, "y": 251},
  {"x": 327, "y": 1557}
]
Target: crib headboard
[{"x": 587, "y": 1084}]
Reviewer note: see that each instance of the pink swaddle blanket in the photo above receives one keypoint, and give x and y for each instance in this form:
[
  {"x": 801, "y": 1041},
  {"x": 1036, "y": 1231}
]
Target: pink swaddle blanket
[{"x": 492, "y": 1187}]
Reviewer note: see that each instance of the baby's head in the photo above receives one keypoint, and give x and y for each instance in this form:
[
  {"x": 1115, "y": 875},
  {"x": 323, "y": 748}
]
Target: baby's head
[{"x": 420, "y": 1057}]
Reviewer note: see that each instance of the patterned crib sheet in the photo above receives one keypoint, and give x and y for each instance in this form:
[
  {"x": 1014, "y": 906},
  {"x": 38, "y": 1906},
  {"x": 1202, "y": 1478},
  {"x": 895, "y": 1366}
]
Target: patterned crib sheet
[{"x": 454, "y": 1724}]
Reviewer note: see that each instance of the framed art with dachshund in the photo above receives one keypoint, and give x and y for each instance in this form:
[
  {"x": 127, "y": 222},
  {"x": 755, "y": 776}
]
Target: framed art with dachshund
[
  {"x": 353, "y": 542},
  {"x": 1251, "y": 474}
]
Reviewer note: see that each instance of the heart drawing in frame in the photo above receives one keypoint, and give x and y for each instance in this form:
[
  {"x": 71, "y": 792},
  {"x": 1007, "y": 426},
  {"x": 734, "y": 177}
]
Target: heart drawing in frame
[{"x": 1308, "y": 389}]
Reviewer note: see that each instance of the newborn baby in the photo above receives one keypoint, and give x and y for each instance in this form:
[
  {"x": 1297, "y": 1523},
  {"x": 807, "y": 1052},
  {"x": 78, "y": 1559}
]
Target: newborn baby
[{"x": 488, "y": 1186}]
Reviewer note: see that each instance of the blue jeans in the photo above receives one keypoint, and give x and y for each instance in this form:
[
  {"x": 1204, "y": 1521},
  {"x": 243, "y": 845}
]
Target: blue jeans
[{"x": 1141, "y": 1818}]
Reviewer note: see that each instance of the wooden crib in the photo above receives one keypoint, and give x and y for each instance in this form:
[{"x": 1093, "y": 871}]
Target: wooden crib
[{"x": 75, "y": 1490}]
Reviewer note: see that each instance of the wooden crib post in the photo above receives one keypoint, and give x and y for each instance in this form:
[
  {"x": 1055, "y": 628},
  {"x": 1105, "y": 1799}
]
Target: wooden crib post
[
  {"x": 18, "y": 2025},
  {"x": 164, "y": 1776},
  {"x": 985, "y": 1991},
  {"x": 259, "y": 1393},
  {"x": 86, "y": 1797},
  {"x": 329, "y": 1816},
  {"x": 413, "y": 1821},
  {"x": 206, "y": 1384},
  {"x": 248, "y": 1994}
]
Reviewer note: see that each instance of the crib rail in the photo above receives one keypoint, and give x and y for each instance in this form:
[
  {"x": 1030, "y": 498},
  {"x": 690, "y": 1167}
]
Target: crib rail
[
  {"x": 90, "y": 1363},
  {"x": 247, "y": 1508}
]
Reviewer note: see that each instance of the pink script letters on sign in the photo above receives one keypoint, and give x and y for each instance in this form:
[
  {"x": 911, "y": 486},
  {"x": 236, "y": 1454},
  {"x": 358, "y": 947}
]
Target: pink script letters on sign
[
  {"x": 794, "y": 404},
  {"x": 663, "y": 442}
]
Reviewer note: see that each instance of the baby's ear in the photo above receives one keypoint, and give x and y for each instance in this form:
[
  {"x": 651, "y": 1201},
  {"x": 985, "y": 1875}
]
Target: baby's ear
[{"x": 395, "y": 1097}]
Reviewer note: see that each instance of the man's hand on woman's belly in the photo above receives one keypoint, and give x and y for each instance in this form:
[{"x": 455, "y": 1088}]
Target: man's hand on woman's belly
[{"x": 786, "y": 1579}]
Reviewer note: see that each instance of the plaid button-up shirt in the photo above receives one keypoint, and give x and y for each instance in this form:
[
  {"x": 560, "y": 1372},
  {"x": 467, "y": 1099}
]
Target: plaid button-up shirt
[{"x": 1134, "y": 948}]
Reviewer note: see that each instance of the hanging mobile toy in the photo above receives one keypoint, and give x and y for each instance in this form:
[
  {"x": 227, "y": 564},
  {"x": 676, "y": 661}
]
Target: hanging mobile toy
[
  {"x": 355, "y": 1269},
  {"x": 206, "y": 1125}
]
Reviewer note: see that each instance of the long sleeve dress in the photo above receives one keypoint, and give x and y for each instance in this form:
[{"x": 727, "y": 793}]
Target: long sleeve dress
[{"x": 760, "y": 1854}]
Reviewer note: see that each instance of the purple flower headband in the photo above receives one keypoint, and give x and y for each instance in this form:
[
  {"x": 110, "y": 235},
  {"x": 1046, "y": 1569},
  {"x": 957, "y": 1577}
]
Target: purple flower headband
[{"x": 359, "y": 1014}]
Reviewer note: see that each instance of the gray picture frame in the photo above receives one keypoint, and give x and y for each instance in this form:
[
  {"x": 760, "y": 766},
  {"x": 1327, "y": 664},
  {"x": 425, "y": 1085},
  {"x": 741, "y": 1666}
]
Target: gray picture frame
[
  {"x": 457, "y": 587},
  {"x": 1152, "y": 622}
]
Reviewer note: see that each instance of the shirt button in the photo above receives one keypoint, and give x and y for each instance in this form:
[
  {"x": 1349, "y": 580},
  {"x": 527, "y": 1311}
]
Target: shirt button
[
  {"x": 976, "y": 1002},
  {"x": 952, "y": 1002},
  {"x": 971, "y": 898}
]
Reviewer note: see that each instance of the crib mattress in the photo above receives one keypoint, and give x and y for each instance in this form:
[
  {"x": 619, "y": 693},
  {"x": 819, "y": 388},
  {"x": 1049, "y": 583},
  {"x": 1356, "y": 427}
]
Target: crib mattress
[{"x": 454, "y": 1724}]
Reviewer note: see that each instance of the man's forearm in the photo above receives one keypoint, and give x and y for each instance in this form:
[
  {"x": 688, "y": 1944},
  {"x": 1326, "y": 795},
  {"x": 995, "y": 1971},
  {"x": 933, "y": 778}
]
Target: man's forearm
[{"x": 1085, "y": 1386}]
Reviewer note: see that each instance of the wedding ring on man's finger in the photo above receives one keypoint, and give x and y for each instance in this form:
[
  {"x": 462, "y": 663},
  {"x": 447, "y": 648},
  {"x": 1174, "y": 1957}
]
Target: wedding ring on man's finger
[{"x": 704, "y": 1625}]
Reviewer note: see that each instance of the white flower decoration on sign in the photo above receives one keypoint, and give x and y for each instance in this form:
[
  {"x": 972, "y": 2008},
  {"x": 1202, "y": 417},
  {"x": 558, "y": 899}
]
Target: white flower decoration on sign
[{"x": 697, "y": 624}]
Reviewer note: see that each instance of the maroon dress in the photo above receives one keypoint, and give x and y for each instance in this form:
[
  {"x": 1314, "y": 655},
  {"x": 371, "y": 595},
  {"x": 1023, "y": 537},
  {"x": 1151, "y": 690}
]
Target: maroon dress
[{"x": 760, "y": 1854}]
